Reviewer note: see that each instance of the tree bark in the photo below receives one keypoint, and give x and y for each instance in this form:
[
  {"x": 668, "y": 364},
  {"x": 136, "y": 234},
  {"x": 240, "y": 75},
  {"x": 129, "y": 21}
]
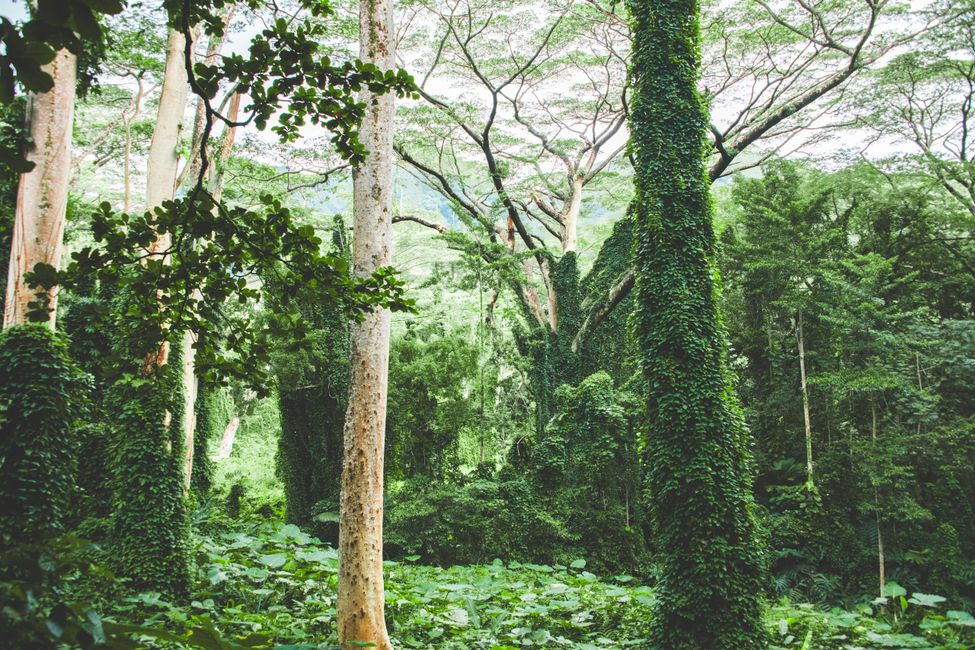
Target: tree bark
[
  {"x": 881, "y": 562},
  {"x": 805, "y": 400},
  {"x": 163, "y": 153},
  {"x": 360, "y": 607},
  {"x": 570, "y": 215},
  {"x": 42, "y": 196}
]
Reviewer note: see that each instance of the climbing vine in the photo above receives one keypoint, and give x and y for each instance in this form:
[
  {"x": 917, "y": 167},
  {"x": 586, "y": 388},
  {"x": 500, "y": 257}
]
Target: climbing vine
[
  {"x": 39, "y": 394},
  {"x": 149, "y": 514},
  {"x": 214, "y": 409},
  {"x": 587, "y": 467},
  {"x": 313, "y": 381},
  {"x": 698, "y": 486}
]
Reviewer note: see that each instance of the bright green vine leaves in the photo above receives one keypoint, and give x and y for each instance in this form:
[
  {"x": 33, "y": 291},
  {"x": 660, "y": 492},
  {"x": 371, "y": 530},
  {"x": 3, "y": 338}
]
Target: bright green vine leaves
[{"x": 696, "y": 453}]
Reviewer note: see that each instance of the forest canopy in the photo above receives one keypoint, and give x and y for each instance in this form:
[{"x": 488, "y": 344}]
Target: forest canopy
[{"x": 487, "y": 324}]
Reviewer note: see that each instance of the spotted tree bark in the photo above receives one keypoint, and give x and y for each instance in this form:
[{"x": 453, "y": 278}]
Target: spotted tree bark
[{"x": 360, "y": 610}]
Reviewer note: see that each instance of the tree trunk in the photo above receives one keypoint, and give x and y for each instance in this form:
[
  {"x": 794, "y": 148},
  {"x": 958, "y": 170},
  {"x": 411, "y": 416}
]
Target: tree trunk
[
  {"x": 570, "y": 215},
  {"x": 190, "y": 381},
  {"x": 190, "y": 387},
  {"x": 696, "y": 445},
  {"x": 42, "y": 196},
  {"x": 227, "y": 440},
  {"x": 163, "y": 153},
  {"x": 163, "y": 150},
  {"x": 881, "y": 562},
  {"x": 805, "y": 400},
  {"x": 127, "y": 158},
  {"x": 360, "y": 607}
]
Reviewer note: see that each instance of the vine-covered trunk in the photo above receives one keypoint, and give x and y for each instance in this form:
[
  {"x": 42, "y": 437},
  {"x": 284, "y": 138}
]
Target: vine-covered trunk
[
  {"x": 696, "y": 450},
  {"x": 42, "y": 196},
  {"x": 149, "y": 512},
  {"x": 360, "y": 609}
]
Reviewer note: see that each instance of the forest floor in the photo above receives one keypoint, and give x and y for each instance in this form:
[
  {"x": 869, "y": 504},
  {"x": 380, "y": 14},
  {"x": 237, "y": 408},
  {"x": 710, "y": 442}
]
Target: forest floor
[{"x": 271, "y": 585}]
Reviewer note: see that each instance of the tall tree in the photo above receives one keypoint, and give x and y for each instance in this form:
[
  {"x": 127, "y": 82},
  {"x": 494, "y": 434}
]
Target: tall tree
[
  {"x": 149, "y": 416},
  {"x": 42, "y": 196},
  {"x": 696, "y": 451},
  {"x": 360, "y": 606},
  {"x": 163, "y": 150}
]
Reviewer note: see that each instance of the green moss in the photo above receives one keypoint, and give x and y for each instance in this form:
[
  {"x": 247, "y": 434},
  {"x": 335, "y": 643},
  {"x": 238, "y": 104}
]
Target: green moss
[{"x": 698, "y": 486}]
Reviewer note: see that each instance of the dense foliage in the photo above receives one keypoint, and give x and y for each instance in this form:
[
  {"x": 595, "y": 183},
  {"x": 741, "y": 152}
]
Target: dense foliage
[
  {"x": 655, "y": 379},
  {"x": 885, "y": 316},
  {"x": 265, "y": 585},
  {"x": 696, "y": 454},
  {"x": 40, "y": 390},
  {"x": 313, "y": 384}
]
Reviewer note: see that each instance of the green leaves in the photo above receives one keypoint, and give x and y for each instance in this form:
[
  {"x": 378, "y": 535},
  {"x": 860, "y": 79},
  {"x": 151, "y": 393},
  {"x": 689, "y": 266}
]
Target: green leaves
[
  {"x": 477, "y": 606},
  {"x": 55, "y": 24},
  {"x": 894, "y": 590},
  {"x": 274, "y": 561},
  {"x": 191, "y": 286}
]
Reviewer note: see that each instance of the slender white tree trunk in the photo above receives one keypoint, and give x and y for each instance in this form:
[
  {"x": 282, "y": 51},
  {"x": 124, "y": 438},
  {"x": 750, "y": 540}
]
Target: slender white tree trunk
[
  {"x": 800, "y": 342},
  {"x": 127, "y": 158},
  {"x": 42, "y": 196},
  {"x": 190, "y": 388},
  {"x": 227, "y": 440},
  {"x": 881, "y": 561},
  {"x": 360, "y": 608},
  {"x": 191, "y": 383}
]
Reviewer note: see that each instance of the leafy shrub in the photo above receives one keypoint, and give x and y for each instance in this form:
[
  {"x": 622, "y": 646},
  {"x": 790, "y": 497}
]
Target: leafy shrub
[{"x": 471, "y": 521}]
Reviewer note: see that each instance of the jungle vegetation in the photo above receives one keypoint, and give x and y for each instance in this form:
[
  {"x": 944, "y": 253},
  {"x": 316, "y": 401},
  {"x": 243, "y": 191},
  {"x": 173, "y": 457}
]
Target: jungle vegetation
[{"x": 487, "y": 324}]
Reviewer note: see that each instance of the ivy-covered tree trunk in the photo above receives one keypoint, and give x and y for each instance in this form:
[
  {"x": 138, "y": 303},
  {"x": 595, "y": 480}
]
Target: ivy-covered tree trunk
[
  {"x": 42, "y": 197},
  {"x": 360, "y": 607},
  {"x": 696, "y": 453},
  {"x": 39, "y": 384},
  {"x": 313, "y": 387},
  {"x": 150, "y": 520}
]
